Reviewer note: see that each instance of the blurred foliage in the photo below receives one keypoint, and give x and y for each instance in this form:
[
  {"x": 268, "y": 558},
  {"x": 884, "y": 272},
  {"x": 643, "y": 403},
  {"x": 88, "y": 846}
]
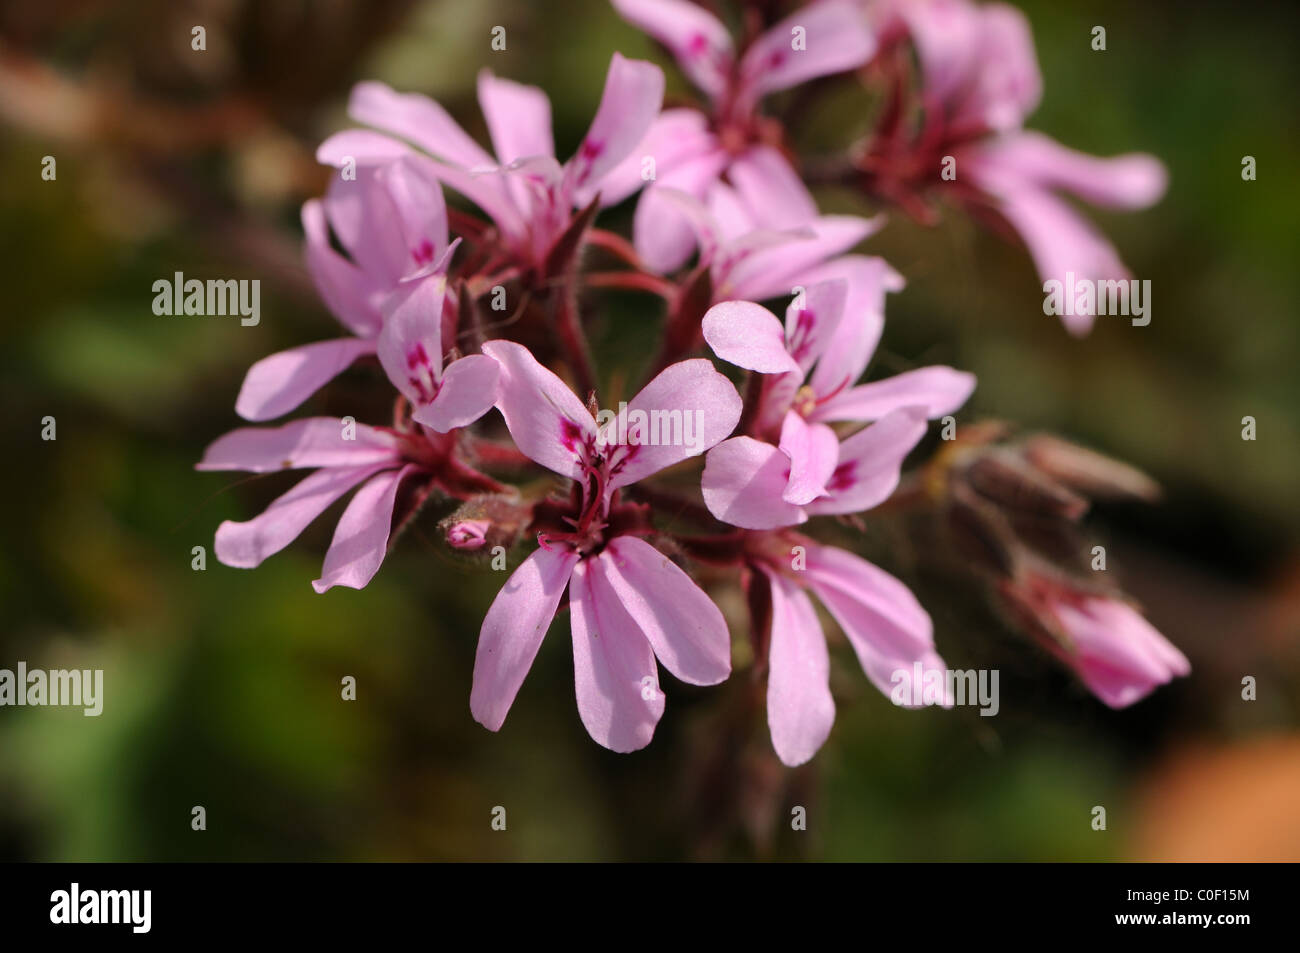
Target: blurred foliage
[{"x": 223, "y": 686}]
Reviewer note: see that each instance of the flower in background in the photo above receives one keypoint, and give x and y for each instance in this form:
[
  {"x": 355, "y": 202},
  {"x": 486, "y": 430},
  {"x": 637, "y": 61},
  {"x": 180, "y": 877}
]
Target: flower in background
[
  {"x": 524, "y": 189},
  {"x": 628, "y": 602},
  {"x": 692, "y": 149},
  {"x": 979, "y": 81}
]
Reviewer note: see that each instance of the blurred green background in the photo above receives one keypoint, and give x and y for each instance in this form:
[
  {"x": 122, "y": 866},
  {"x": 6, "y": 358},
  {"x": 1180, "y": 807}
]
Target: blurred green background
[{"x": 223, "y": 686}]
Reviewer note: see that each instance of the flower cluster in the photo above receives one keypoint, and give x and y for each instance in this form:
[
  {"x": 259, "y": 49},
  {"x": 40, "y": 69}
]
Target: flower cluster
[{"x": 487, "y": 400}]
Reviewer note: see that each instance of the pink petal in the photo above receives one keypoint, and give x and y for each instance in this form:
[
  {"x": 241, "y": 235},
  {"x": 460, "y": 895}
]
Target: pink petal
[
  {"x": 1008, "y": 84},
  {"x": 681, "y": 623},
  {"x": 307, "y": 443},
  {"x": 350, "y": 294},
  {"x": 743, "y": 482},
  {"x": 748, "y": 335},
  {"x": 513, "y": 631},
  {"x": 813, "y": 450},
  {"x": 800, "y": 709},
  {"x": 946, "y": 34},
  {"x": 940, "y": 390},
  {"x": 1131, "y": 181},
  {"x": 663, "y": 235},
  {"x": 614, "y": 673},
  {"x": 775, "y": 271},
  {"x": 277, "y": 384},
  {"x": 361, "y": 538},
  {"x": 812, "y": 319},
  {"x": 697, "y": 40},
  {"x": 836, "y": 37},
  {"x": 418, "y": 119},
  {"x": 689, "y": 407},
  {"x": 634, "y": 92},
  {"x": 869, "y": 463},
  {"x": 518, "y": 118},
  {"x": 245, "y": 545},
  {"x": 847, "y": 354},
  {"x": 548, "y": 422},
  {"x": 881, "y": 618},
  {"x": 470, "y": 386},
  {"x": 410, "y": 345},
  {"x": 772, "y": 191},
  {"x": 675, "y": 139}
]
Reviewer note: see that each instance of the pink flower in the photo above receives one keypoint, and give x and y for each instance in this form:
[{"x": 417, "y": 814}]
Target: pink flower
[
  {"x": 527, "y": 193},
  {"x": 692, "y": 150},
  {"x": 377, "y": 460},
  {"x": 886, "y": 626},
  {"x": 980, "y": 81},
  {"x": 628, "y": 602},
  {"x": 814, "y": 360},
  {"x": 392, "y": 221},
  {"x": 1118, "y": 654}
]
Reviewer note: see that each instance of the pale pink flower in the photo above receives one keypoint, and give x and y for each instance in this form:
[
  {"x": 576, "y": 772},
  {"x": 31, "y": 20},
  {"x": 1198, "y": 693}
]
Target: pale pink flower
[
  {"x": 980, "y": 81},
  {"x": 813, "y": 363},
  {"x": 468, "y": 534},
  {"x": 628, "y": 602},
  {"x": 888, "y": 629},
  {"x": 376, "y": 460},
  {"x": 692, "y": 150},
  {"x": 392, "y": 222},
  {"x": 523, "y": 188}
]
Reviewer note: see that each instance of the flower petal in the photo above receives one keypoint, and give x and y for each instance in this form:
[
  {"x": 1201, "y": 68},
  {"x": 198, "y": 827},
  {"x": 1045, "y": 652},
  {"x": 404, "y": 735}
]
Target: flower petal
[
  {"x": 548, "y": 422},
  {"x": 634, "y": 92},
  {"x": 869, "y": 463},
  {"x": 748, "y": 335},
  {"x": 418, "y": 119},
  {"x": 614, "y": 673},
  {"x": 470, "y": 386},
  {"x": 681, "y": 623},
  {"x": 835, "y": 38},
  {"x": 884, "y": 623},
  {"x": 772, "y": 191},
  {"x": 847, "y": 354},
  {"x": 277, "y": 384},
  {"x": 410, "y": 345},
  {"x": 689, "y": 407},
  {"x": 775, "y": 271},
  {"x": 245, "y": 545},
  {"x": 698, "y": 41},
  {"x": 675, "y": 140},
  {"x": 518, "y": 118},
  {"x": 361, "y": 538},
  {"x": 307, "y": 443},
  {"x": 351, "y": 295},
  {"x": 800, "y": 709},
  {"x": 813, "y": 450},
  {"x": 812, "y": 319},
  {"x": 513, "y": 631},
  {"x": 939, "y": 389},
  {"x": 743, "y": 482},
  {"x": 1132, "y": 181}
]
